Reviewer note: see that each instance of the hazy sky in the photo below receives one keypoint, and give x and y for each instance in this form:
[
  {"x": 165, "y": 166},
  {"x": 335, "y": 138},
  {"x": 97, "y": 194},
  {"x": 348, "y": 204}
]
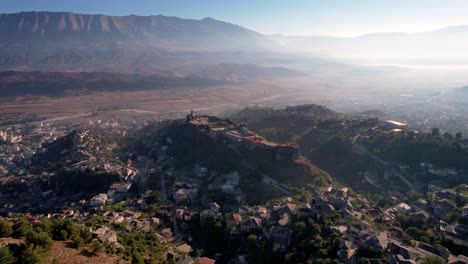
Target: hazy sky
[{"x": 290, "y": 17}]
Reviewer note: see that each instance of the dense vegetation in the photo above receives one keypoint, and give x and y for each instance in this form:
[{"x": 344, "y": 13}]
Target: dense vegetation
[
  {"x": 282, "y": 125},
  {"x": 38, "y": 238}
]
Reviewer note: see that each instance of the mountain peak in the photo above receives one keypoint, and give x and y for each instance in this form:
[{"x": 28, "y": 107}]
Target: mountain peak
[{"x": 209, "y": 19}]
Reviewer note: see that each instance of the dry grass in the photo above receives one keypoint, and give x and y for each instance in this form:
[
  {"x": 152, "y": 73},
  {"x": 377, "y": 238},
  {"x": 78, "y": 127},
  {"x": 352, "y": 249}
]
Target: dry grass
[{"x": 66, "y": 255}]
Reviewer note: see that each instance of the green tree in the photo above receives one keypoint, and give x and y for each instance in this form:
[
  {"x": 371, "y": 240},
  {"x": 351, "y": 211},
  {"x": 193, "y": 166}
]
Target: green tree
[
  {"x": 137, "y": 258},
  {"x": 6, "y": 230},
  {"x": 77, "y": 241},
  {"x": 6, "y": 257},
  {"x": 39, "y": 239},
  {"x": 63, "y": 234},
  {"x": 31, "y": 255},
  {"x": 86, "y": 235},
  {"x": 299, "y": 228},
  {"x": 433, "y": 260},
  {"x": 70, "y": 227},
  {"x": 458, "y": 136},
  {"x": 97, "y": 247},
  {"x": 435, "y": 131},
  {"x": 21, "y": 228},
  {"x": 448, "y": 136}
]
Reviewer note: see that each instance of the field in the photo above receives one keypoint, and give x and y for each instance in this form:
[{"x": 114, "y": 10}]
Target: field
[
  {"x": 177, "y": 102},
  {"x": 158, "y": 104}
]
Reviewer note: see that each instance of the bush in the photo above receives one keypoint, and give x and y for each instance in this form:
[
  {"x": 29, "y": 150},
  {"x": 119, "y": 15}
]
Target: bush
[
  {"x": 433, "y": 260},
  {"x": 6, "y": 257},
  {"x": 21, "y": 228},
  {"x": 31, "y": 255},
  {"x": 40, "y": 240},
  {"x": 77, "y": 242},
  {"x": 86, "y": 235},
  {"x": 137, "y": 258},
  {"x": 97, "y": 247},
  {"x": 5, "y": 229}
]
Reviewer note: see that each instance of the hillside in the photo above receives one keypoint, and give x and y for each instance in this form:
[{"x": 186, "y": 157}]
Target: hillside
[
  {"x": 260, "y": 166},
  {"x": 332, "y": 142},
  {"x": 283, "y": 124}
]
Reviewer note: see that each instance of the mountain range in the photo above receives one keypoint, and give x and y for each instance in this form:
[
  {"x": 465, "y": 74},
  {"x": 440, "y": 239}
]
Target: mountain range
[
  {"x": 207, "y": 48},
  {"x": 63, "y": 41},
  {"x": 36, "y": 28}
]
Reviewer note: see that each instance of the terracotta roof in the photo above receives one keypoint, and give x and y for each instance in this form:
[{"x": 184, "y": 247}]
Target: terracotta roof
[{"x": 204, "y": 260}]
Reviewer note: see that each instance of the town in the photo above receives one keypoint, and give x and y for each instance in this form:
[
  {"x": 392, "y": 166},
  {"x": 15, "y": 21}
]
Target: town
[{"x": 199, "y": 214}]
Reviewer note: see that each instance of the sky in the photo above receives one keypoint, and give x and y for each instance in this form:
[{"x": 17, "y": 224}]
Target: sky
[{"x": 343, "y": 18}]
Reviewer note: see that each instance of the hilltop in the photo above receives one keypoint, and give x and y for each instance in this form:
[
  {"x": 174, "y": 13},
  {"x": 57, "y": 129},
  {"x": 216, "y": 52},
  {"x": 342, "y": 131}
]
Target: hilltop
[
  {"x": 225, "y": 146},
  {"x": 364, "y": 149}
]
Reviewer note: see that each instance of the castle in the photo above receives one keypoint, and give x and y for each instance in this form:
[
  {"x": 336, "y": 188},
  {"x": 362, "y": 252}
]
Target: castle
[{"x": 237, "y": 134}]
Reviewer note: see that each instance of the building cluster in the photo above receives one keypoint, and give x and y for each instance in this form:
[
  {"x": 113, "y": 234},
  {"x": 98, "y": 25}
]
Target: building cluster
[
  {"x": 18, "y": 144},
  {"x": 201, "y": 193}
]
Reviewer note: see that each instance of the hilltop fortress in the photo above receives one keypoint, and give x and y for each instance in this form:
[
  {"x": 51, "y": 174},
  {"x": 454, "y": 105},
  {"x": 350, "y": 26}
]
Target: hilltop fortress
[{"x": 228, "y": 132}]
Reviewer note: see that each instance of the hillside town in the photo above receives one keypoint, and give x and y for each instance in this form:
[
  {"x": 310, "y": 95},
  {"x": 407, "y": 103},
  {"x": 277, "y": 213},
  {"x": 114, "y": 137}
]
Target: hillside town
[{"x": 153, "y": 194}]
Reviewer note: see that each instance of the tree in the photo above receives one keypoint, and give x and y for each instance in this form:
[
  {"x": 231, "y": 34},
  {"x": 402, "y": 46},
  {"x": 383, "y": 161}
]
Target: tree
[
  {"x": 448, "y": 136},
  {"x": 433, "y": 260},
  {"x": 31, "y": 255},
  {"x": 21, "y": 228},
  {"x": 63, "y": 234},
  {"x": 6, "y": 257},
  {"x": 137, "y": 258},
  {"x": 299, "y": 228},
  {"x": 39, "y": 239},
  {"x": 77, "y": 241},
  {"x": 5, "y": 229},
  {"x": 153, "y": 198},
  {"x": 86, "y": 235},
  {"x": 97, "y": 247},
  {"x": 436, "y": 131},
  {"x": 458, "y": 136}
]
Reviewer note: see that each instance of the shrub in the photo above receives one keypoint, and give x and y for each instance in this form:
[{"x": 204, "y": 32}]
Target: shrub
[
  {"x": 40, "y": 240},
  {"x": 5, "y": 229},
  {"x": 6, "y": 257}
]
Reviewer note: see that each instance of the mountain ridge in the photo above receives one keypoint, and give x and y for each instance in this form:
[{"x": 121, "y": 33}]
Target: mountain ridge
[{"x": 158, "y": 30}]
